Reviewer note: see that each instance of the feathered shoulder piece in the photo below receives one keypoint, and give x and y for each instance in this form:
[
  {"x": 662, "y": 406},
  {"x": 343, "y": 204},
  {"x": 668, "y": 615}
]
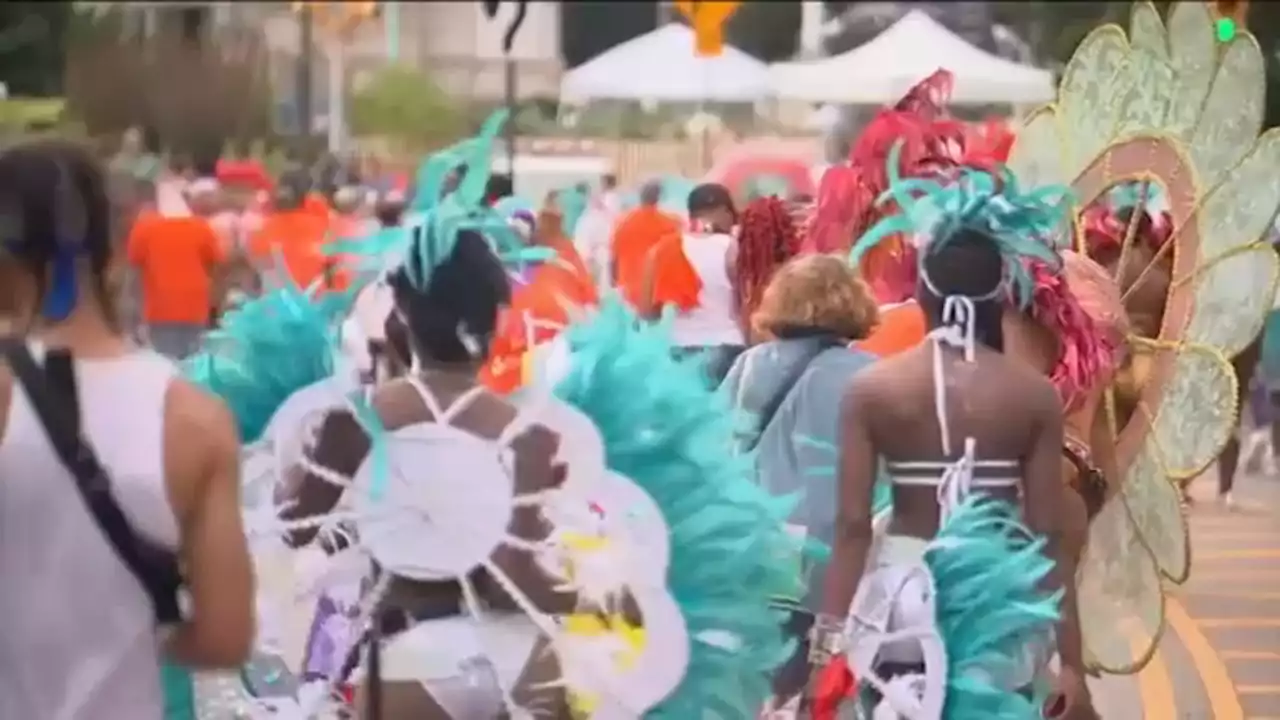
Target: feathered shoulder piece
[
  {"x": 671, "y": 434},
  {"x": 1025, "y": 226},
  {"x": 267, "y": 349},
  {"x": 1081, "y": 307},
  {"x": 930, "y": 141}
]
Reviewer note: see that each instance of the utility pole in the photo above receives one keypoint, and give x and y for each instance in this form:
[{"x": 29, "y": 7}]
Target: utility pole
[
  {"x": 509, "y": 76},
  {"x": 306, "y": 62}
]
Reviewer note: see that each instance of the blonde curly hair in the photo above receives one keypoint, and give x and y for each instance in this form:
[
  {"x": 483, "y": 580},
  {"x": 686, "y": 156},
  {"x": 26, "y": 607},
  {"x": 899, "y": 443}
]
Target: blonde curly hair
[{"x": 820, "y": 293}]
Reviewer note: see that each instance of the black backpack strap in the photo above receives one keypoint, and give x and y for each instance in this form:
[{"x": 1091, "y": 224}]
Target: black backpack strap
[
  {"x": 53, "y": 396},
  {"x": 794, "y": 373}
]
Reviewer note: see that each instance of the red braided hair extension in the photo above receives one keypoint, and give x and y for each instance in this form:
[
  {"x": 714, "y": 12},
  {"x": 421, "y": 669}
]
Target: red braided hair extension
[
  {"x": 1081, "y": 306},
  {"x": 1105, "y": 227},
  {"x": 767, "y": 239}
]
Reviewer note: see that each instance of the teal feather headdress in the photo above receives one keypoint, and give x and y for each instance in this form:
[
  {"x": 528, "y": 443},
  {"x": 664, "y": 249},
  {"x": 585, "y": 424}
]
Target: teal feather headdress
[
  {"x": 730, "y": 554},
  {"x": 989, "y": 574},
  {"x": 267, "y": 349},
  {"x": 436, "y": 219},
  {"x": 1024, "y": 226}
]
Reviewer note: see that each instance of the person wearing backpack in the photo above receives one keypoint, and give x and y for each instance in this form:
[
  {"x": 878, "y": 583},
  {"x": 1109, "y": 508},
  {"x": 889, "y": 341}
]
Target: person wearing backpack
[
  {"x": 791, "y": 385},
  {"x": 111, "y": 469}
]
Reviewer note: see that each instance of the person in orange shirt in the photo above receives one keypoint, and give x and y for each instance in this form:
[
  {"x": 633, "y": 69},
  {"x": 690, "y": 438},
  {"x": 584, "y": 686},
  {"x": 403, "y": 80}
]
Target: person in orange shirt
[
  {"x": 293, "y": 234},
  {"x": 694, "y": 273},
  {"x": 540, "y": 301},
  {"x": 175, "y": 259},
  {"x": 636, "y": 236},
  {"x": 902, "y": 326}
]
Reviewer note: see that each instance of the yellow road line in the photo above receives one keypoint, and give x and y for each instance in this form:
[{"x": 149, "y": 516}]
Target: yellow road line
[
  {"x": 1213, "y": 673},
  {"x": 1240, "y": 595},
  {"x": 1244, "y": 622},
  {"x": 1258, "y": 690},
  {"x": 1155, "y": 689},
  {"x": 1252, "y": 575},
  {"x": 1254, "y": 553},
  {"x": 1249, "y": 655},
  {"x": 1249, "y": 554}
]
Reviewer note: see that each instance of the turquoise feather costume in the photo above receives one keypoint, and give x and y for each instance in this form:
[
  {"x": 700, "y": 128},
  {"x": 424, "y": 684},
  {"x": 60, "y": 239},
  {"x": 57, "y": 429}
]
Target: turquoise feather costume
[
  {"x": 984, "y": 568},
  {"x": 730, "y": 555},
  {"x": 728, "y": 551}
]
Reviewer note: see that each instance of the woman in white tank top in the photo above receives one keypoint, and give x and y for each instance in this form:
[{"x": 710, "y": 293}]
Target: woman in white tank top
[
  {"x": 696, "y": 277},
  {"x": 79, "y": 638}
]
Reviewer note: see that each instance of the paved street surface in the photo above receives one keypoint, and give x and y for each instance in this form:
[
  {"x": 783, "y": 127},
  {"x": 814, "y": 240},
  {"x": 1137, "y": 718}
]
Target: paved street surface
[{"x": 1220, "y": 658}]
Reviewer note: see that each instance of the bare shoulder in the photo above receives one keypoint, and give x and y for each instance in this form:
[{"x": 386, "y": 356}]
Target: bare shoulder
[
  {"x": 398, "y": 404},
  {"x": 202, "y": 418},
  {"x": 1036, "y": 389},
  {"x": 881, "y": 377},
  {"x": 201, "y": 443}
]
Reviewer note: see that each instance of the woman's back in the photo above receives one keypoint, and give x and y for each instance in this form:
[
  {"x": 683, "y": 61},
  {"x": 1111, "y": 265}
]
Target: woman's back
[
  {"x": 995, "y": 400},
  {"x": 79, "y": 640}
]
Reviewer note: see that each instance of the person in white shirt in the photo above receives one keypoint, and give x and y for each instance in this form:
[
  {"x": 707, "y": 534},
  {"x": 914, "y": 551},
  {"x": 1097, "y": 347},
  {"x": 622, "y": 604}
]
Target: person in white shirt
[
  {"x": 80, "y": 639},
  {"x": 694, "y": 272}
]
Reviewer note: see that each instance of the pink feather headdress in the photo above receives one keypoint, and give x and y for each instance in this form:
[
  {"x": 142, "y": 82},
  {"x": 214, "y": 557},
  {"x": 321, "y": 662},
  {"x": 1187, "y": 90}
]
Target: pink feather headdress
[
  {"x": 1081, "y": 306},
  {"x": 931, "y": 142}
]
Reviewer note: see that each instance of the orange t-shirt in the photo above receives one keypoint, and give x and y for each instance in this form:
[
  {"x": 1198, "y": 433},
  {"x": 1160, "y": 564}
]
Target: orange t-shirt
[
  {"x": 674, "y": 281},
  {"x": 633, "y": 241},
  {"x": 553, "y": 285},
  {"x": 175, "y": 258},
  {"x": 296, "y": 236},
  {"x": 316, "y": 204},
  {"x": 901, "y": 328}
]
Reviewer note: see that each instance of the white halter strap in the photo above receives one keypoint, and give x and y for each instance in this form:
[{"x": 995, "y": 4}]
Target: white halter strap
[{"x": 957, "y": 330}]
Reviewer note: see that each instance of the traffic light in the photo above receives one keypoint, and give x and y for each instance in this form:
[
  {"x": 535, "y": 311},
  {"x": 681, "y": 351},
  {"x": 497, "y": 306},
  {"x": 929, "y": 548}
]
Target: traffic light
[
  {"x": 1230, "y": 16},
  {"x": 339, "y": 17}
]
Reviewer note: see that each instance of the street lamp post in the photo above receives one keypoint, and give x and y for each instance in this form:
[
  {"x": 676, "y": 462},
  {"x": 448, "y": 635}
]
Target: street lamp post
[{"x": 509, "y": 78}]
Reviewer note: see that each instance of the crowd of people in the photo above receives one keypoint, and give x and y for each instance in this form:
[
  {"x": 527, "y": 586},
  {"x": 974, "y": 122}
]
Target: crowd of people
[{"x": 437, "y": 451}]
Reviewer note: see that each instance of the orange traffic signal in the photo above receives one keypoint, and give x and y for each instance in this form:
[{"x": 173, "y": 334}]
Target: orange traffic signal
[
  {"x": 708, "y": 19},
  {"x": 339, "y": 16}
]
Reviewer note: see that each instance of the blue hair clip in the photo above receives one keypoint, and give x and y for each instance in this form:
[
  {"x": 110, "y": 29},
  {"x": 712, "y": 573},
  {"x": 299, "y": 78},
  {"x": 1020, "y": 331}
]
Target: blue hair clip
[
  {"x": 60, "y": 298},
  {"x": 1023, "y": 226}
]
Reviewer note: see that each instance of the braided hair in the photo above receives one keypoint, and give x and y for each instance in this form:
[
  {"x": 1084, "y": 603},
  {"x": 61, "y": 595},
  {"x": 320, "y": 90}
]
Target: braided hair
[
  {"x": 454, "y": 317},
  {"x": 767, "y": 238}
]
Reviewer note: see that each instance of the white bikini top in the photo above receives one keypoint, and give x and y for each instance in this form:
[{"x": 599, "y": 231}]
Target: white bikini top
[{"x": 954, "y": 479}]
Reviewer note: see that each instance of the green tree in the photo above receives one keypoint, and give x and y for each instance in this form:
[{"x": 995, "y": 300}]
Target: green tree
[
  {"x": 405, "y": 106},
  {"x": 194, "y": 98},
  {"x": 33, "y": 37}
]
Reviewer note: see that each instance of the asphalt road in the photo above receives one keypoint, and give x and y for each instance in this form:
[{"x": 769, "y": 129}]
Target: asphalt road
[{"x": 1220, "y": 657}]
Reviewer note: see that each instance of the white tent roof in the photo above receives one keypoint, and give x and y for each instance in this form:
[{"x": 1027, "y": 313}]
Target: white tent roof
[
  {"x": 661, "y": 65},
  {"x": 881, "y": 71}
]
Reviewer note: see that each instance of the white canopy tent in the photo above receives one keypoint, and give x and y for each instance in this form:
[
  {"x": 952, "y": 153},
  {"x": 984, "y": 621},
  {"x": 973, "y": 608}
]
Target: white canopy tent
[
  {"x": 662, "y": 66},
  {"x": 881, "y": 71}
]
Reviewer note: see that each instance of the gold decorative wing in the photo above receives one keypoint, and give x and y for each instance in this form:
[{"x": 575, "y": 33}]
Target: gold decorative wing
[{"x": 1172, "y": 108}]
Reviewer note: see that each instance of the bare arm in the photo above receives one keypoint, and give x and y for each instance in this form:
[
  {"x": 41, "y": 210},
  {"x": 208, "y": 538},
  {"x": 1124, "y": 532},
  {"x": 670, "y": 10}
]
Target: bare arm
[
  {"x": 1044, "y": 499},
  {"x": 341, "y": 446},
  {"x": 204, "y": 479},
  {"x": 857, "y": 476}
]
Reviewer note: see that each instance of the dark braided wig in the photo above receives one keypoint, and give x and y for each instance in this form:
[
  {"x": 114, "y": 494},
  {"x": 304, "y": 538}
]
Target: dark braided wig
[{"x": 767, "y": 238}]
